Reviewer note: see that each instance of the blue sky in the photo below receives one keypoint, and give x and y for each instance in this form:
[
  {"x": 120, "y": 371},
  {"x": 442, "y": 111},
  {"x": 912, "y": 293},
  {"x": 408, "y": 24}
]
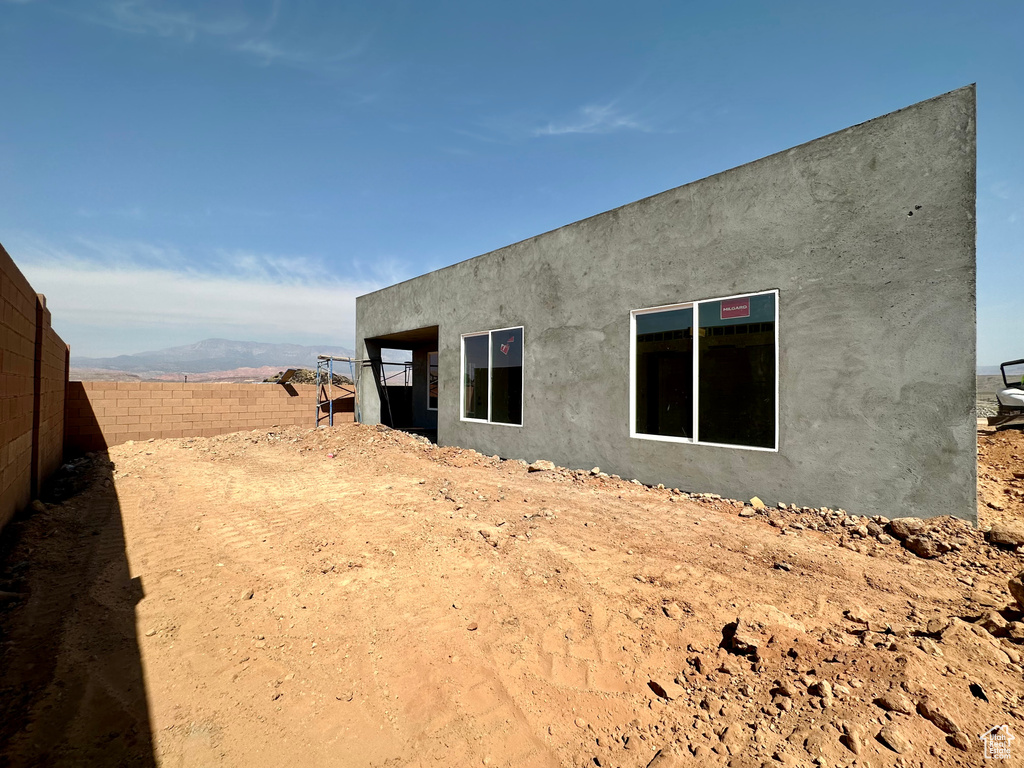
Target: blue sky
[{"x": 171, "y": 171}]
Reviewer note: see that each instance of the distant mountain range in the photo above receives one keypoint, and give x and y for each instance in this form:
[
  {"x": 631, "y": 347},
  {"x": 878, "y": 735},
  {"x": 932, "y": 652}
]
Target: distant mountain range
[
  {"x": 993, "y": 370},
  {"x": 210, "y": 356},
  {"x": 223, "y": 357}
]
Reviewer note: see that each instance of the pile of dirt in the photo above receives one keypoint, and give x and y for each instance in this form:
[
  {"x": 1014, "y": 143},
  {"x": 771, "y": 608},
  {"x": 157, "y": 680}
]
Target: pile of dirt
[
  {"x": 359, "y": 596},
  {"x": 307, "y": 376}
]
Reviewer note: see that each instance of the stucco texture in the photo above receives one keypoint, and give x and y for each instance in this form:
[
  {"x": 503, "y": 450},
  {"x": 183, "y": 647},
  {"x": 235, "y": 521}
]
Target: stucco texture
[{"x": 867, "y": 234}]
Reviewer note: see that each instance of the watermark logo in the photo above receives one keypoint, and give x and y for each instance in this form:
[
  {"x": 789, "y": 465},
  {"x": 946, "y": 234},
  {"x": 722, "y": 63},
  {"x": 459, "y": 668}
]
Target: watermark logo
[{"x": 997, "y": 742}]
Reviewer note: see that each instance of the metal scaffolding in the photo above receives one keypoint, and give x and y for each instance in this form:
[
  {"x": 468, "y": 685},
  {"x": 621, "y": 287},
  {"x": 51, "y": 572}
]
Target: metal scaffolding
[{"x": 325, "y": 385}]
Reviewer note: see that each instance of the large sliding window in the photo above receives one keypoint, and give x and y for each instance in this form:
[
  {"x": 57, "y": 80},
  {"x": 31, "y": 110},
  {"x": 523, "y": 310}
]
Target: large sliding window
[
  {"x": 492, "y": 376},
  {"x": 721, "y": 390}
]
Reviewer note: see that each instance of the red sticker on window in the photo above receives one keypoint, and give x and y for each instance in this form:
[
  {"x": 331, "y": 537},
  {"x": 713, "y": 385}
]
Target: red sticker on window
[
  {"x": 733, "y": 308},
  {"x": 507, "y": 345}
]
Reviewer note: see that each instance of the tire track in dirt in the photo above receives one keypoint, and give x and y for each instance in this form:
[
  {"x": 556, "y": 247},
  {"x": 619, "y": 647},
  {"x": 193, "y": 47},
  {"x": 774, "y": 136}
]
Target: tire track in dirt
[{"x": 428, "y": 606}]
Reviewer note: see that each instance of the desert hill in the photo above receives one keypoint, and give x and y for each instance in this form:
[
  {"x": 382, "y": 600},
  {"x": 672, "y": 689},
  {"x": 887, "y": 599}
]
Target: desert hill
[{"x": 208, "y": 360}]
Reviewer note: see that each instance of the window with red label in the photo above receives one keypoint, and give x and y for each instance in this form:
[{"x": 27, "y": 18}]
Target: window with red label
[{"x": 707, "y": 372}]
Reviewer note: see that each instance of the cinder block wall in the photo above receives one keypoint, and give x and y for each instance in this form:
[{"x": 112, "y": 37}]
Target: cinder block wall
[
  {"x": 33, "y": 376},
  {"x": 103, "y": 414},
  {"x": 53, "y": 361}
]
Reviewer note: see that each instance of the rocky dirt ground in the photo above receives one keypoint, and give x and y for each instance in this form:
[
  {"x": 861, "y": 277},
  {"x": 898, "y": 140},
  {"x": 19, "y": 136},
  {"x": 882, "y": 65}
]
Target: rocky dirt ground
[
  {"x": 1001, "y": 476},
  {"x": 359, "y": 597}
]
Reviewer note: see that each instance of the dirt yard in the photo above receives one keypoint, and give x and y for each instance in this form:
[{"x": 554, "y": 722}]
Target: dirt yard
[{"x": 357, "y": 597}]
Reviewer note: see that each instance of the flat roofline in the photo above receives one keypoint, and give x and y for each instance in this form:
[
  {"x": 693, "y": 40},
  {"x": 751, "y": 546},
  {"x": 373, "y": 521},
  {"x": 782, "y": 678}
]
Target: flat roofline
[{"x": 972, "y": 87}]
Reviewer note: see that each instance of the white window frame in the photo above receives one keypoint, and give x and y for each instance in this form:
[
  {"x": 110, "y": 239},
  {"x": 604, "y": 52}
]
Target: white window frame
[
  {"x": 490, "y": 374},
  {"x": 695, "y": 305},
  {"x": 435, "y": 352}
]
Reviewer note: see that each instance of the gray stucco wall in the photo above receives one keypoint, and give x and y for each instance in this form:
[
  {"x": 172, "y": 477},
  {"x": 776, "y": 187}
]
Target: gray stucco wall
[
  {"x": 422, "y": 415},
  {"x": 868, "y": 234}
]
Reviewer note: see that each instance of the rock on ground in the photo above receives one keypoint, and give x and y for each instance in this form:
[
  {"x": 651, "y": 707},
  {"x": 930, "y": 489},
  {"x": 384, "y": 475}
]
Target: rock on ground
[
  {"x": 1005, "y": 536},
  {"x": 1016, "y": 587},
  {"x": 417, "y": 604}
]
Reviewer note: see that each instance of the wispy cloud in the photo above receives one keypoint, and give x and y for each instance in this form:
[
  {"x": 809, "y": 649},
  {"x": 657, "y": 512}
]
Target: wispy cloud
[
  {"x": 103, "y": 293},
  {"x": 257, "y": 36},
  {"x": 133, "y": 212},
  {"x": 594, "y": 118},
  {"x": 146, "y": 17},
  {"x": 1004, "y": 190},
  {"x": 270, "y": 52},
  {"x": 273, "y": 268},
  {"x": 513, "y": 127},
  {"x": 1005, "y": 201}
]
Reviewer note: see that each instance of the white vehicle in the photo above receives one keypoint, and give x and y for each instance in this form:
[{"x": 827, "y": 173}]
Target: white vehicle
[{"x": 1011, "y": 398}]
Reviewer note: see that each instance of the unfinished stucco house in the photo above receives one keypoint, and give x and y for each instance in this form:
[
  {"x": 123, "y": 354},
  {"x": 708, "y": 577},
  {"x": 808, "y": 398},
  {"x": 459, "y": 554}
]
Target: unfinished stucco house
[{"x": 800, "y": 328}]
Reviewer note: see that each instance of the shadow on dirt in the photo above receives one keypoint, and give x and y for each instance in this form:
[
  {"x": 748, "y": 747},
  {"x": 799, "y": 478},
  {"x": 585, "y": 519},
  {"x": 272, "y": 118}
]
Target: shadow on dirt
[{"x": 71, "y": 683}]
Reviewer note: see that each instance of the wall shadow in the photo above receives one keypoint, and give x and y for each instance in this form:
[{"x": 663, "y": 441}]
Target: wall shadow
[
  {"x": 82, "y": 430},
  {"x": 72, "y": 689},
  {"x": 396, "y": 406},
  {"x": 343, "y": 404}
]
